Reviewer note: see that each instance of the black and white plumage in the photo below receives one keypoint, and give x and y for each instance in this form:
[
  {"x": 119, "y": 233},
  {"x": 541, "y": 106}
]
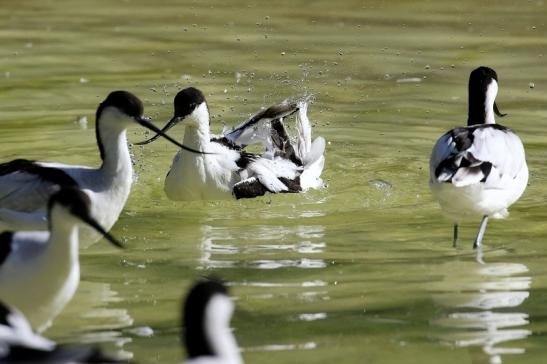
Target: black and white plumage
[
  {"x": 26, "y": 186},
  {"x": 207, "y": 335},
  {"x": 478, "y": 170},
  {"x": 19, "y": 344},
  {"x": 225, "y": 170},
  {"x": 40, "y": 270}
]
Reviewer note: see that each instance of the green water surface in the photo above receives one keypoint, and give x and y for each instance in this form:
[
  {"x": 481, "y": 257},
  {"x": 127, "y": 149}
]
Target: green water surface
[{"x": 360, "y": 272}]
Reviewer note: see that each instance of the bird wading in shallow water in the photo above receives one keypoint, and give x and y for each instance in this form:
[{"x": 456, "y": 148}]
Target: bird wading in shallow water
[
  {"x": 226, "y": 170},
  {"x": 19, "y": 344},
  {"x": 26, "y": 186},
  {"x": 40, "y": 270},
  {"x": 479, "y": 170},
  {"x": 207, "y": 335}
]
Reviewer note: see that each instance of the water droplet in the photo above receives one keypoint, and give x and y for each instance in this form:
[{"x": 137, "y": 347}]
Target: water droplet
[
  {"x": 82, "y": 122},
  {"x": 531, "y": 85}
]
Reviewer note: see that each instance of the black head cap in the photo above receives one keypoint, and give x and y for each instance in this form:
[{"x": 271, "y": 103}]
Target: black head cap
[
  {"x": 124, "y": 101},
  {"x": 194, "y": 316},
  {"x": 76, "y": 201},
  {"x": 187, "y": 100},
  {"x": 479, "y": 80},
  {"x": 482, "y": 76}
]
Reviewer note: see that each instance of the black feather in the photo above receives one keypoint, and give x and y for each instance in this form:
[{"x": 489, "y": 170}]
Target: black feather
[{"x": 50, "y": 174}]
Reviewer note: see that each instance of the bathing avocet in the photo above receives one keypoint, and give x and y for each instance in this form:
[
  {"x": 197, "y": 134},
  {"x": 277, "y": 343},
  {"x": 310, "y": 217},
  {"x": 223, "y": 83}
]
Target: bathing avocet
[{"x": 225, "y": 170}]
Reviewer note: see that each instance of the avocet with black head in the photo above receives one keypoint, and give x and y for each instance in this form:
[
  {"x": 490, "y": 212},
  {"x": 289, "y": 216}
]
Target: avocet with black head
[
  {"x": 40, "y": 270},
  {"x": 25, "y": 185},
  {"x": 206, "y": 321},
  {"x": 19, "y": 344},
  {"x": 225, "y": 170},
  {"x": 478, "y": 170}
]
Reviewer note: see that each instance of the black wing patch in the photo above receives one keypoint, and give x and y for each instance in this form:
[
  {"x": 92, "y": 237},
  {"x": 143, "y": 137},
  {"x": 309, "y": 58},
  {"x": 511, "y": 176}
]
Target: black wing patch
[
  {"x": 249, "y": 189},
  {"x": 246, "y": 158},
  {"x": 464, "y": 138},
  {"x": 49, "y": 174},
  {"x": 282, "y": 142},
  {"x": 253, "y": 188},
  {"x": 273, "y": 112},
  {"x": 6, "y": 239}
]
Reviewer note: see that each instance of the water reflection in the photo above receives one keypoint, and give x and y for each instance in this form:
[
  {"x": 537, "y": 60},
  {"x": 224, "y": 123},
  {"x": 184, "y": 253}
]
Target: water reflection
[
  {"x": 270, "y": 247},
  {"x": 218, "y": 244},
  {"x": 282, "y": 347},
  {"x": 101, "y": 324},
  {"x": 481, "y": 295}
]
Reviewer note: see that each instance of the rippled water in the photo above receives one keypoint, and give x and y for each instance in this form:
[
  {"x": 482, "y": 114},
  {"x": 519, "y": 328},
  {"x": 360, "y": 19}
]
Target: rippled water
[{"x": 362, "y": 271}]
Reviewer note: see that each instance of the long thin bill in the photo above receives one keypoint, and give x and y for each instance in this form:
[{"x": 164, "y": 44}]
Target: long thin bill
[
  {"x": 94, "y": 224},
  {"x": 174, "y": 121},
  {"x": 497, "y": 111},
  {"x": 147, "y": 124}
]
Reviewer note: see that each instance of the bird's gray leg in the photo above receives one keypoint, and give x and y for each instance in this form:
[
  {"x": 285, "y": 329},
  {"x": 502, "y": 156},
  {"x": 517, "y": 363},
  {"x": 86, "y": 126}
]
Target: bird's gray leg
[
  {"x": 482, "y": 229},
  {"x": 455, "y": 243}
]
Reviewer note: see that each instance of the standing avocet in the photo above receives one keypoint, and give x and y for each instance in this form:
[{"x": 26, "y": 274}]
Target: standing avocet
[
  {"x": 207, "y": 335},
  {"x": 478, "y": 170},
  {"x": 19, "y": 344},
  {"x": 40, "y": 270},
  {"x": 25, "y": 185},
  {"x": 226, "y": 171}
]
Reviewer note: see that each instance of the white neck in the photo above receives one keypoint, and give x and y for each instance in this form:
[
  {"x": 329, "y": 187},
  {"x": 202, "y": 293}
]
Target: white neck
[
  {"x": 217, "y": 329},
  {"x": 117, "y": 167},
  {"x": 197, "y": 134},
  {"x": 63, "y": 238},
  {"x": 491, "y": 92}
]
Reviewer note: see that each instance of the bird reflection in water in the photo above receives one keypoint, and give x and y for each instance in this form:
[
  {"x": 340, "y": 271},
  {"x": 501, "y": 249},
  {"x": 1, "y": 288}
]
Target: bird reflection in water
[
  {"x": 300, "y": 243},
  {"x": 483, "y": 296}
]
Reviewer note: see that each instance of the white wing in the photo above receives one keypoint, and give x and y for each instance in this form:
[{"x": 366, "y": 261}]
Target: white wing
[{"x": 268, "y": 172}]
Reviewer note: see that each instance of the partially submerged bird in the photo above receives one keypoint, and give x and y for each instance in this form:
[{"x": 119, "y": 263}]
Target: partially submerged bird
[
  {"x": 19, "y": 344},
  {"x": 225, "y": 170},
  {"x": 207, "y": 335},
  {"x": 40, "y": 270},
  {"x": 26, "y": 185},
  {"x": 478, "y": 170}
]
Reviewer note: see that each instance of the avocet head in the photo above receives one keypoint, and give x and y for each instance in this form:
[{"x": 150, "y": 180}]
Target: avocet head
[
  {"x": 73, "y": 203},
  {"x": 121, "y": 109},
  {"x": 483, "y": 88},
  {"x": 206, "y": 319},
  {"x": 190, "y": 105}
]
